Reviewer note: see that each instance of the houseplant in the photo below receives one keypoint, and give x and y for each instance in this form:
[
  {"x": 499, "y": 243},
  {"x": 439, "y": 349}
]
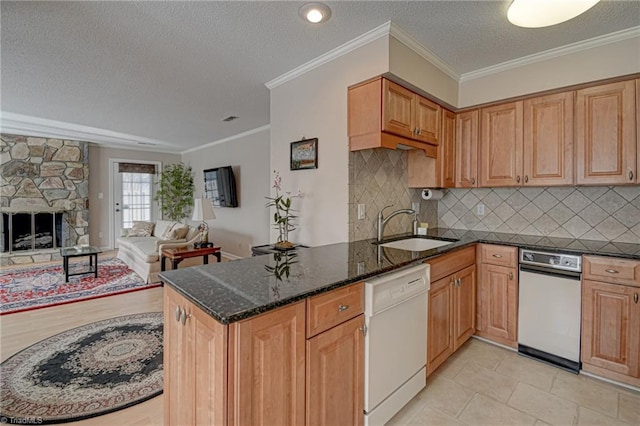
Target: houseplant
[
  {"x": 283, "y": 218},
  {"x": 175, "y": 191}
]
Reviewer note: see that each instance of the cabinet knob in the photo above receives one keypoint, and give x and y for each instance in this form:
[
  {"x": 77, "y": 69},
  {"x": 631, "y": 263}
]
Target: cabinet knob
[
  {"x": 631, "y": 175},
  {"x": 611, "y": 271},
  {"x": 343, "y": 308},
  {"x": 518, "y": 178},
  {"x": 184, "y": 316},
  {"x": 364, "y": 329},
  {"x": 511, "y": 276},
  {"x": 635, "y": 298},
  {"x": 473, "y": 181},
  {"x": 178, "y": 313},
  {"x": 526, "y": 178},
  {"x": 498, "y": 256}
]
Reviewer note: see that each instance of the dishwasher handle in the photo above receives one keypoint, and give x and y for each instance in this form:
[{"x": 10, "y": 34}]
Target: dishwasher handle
[{"x": 551, "y": 272}]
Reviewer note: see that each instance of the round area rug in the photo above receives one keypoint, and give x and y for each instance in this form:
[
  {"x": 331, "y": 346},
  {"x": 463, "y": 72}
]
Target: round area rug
[{"x": 84, "y": 372}]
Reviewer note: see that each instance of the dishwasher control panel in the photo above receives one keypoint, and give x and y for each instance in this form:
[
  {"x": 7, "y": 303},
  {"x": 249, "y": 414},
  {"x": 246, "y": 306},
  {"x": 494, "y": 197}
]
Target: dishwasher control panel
[{"x": 568, "y": 262}]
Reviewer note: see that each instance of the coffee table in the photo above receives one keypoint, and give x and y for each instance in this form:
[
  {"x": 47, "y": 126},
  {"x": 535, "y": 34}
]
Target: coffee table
[
  {"x": 177, "y": 255},
  {"x": 80, "y": 251}
]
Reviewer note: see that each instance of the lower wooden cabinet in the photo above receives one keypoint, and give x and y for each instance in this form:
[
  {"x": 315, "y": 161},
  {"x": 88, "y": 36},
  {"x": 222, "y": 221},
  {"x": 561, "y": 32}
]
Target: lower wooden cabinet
[
  {"x": 195, "y": 364},
  {"x": 497, "y": 297},
  {"x": 452, "y": 305},
  {"x": 267, "y": 368},
  {"x": 335, "y": 375},
  {"x": 611, "y": 318}
]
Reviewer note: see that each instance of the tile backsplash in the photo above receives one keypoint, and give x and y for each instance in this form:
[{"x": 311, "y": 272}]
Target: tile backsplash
[
  {"x": 378, "y": 177},
  {"x": 594, "y": 213}
]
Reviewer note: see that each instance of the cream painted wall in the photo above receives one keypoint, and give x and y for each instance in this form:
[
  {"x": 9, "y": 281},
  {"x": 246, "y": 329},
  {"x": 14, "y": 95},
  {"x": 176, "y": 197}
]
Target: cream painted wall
[
  {"x": 416, "y": 70},
  {"x": 99, "y": 183},
  {"x": 611, "y": 60},
  {"x": 237, "y": 229},
  {"x": 314, "y": 105}
]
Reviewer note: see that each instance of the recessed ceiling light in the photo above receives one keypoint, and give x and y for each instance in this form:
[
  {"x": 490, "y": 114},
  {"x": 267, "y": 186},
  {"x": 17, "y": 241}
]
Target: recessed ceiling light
[
  {"x": 544, "y": 13},
  {"x": 315, "y": 12}
]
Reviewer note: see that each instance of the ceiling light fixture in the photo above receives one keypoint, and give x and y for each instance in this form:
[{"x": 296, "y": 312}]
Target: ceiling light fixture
[
  {"x": 315, "y": 12},
  {"x": 544, "y": 13}
]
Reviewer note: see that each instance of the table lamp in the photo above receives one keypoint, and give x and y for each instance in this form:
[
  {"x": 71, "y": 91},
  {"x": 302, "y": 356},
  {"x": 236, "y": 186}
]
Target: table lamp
[{"x": 203, "y": 210}]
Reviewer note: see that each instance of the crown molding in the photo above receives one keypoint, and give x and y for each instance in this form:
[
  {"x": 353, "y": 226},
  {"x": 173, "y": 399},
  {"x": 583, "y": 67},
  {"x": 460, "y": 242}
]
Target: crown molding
[
  {"x": 229, "y": 139},
  {"x": 413, "y": 44},
  {"x": 27, "y": 125},
  {"x": 339, "y": 51},
  {"x": 553, "y": 53}
]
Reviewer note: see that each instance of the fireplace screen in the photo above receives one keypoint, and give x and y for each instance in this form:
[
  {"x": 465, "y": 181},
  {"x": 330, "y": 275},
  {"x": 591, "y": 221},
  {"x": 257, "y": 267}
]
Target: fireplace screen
[{"x": 31, "y": 231}]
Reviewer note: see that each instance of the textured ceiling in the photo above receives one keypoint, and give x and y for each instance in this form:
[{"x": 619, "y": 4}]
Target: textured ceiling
[{"x": 171, "y": 71}]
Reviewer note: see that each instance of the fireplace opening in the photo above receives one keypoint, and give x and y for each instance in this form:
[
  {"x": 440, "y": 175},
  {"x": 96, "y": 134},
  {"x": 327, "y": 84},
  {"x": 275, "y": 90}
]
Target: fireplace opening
[{"x": 31, "y": 231}]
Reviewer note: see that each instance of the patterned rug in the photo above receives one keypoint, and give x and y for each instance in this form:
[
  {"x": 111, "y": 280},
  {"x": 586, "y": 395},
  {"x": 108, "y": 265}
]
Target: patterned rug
[
  {"x": 36, "y": 286},
  {"x": 85, "y": 372}
]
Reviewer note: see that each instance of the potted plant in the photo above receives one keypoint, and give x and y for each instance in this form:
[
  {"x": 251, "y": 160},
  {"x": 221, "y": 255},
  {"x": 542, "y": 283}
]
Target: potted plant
[
  {"x": 175, "y": 191},
  {"x": 283, "y": 217}
]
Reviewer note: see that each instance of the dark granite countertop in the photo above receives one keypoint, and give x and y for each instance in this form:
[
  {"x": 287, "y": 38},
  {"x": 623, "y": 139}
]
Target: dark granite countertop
[{"x": 231, "y": 291}]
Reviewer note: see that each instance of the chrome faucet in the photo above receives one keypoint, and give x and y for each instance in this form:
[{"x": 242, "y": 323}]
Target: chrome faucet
[{"x": 382, "y": 221}]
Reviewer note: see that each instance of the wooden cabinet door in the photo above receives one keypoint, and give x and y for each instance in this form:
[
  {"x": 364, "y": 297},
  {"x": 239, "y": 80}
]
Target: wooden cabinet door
[
  {"x": 498, "y": 304},
  {"x": 464, "y": 308},
  {"x": 548, "y": 140},
  {"x": 179, "y": 372},
  {"x": 397, "y": 110},
  {"x": 267, "y": 368},
  {"x": 605, "y": 127},
  {"x": 638, "y": 129},
  {"x": 501, "y": 145},
  {"x": 467, "y": 149},
  {"x": 426, "y": 120},
  {"x": 447, "y": 149},
  {"x": 209, "y": 343},
  {"x": 611, "y": 327},
  {"x": 440, "y": 326},
  {"x": 335, "y": 375}
]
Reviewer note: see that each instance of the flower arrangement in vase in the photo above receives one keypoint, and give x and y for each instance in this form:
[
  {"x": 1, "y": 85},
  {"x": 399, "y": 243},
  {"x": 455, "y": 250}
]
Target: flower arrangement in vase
[{"x": 284, "y": 217}]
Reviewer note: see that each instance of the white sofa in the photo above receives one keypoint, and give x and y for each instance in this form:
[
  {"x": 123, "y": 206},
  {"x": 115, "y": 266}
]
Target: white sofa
[{"x": 142, "y": 254}]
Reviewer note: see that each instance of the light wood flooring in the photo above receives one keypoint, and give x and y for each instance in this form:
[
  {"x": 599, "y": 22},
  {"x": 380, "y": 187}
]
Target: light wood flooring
[{"x": 481, "y": 384}]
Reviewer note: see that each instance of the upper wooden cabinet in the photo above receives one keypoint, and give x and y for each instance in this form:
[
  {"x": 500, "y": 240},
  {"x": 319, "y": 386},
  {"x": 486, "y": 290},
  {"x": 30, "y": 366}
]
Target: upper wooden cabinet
[
  {"x": 548, "y": 140},
  {"x": 439, "y": 172},
  {"x": 605, "y": 127},
  {"x": 466, "y": 150},
  {"x": 447, "y": 150},
  {"x": 383, "y": 114},
  {"x": 501, "y": 145}
]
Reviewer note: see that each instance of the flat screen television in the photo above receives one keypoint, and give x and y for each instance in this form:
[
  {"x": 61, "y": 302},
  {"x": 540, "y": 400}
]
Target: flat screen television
[{"x": 220, "y": 186}]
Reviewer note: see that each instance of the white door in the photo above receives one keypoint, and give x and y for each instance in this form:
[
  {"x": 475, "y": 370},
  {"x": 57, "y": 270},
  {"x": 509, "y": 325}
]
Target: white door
[{"x": 132, "y": 200}]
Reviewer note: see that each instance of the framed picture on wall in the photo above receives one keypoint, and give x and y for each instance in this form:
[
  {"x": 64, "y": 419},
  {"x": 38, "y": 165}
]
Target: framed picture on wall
[{"x": 304, "y": 154}]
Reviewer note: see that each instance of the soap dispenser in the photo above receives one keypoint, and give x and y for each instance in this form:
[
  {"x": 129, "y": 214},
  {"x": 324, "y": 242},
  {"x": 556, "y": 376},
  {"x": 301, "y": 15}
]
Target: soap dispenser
[{"x": 415, "y": 224}]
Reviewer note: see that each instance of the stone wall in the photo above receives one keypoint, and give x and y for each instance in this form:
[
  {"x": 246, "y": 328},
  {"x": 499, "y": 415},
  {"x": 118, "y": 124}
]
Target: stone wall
[{"x": 40, "y": 174}]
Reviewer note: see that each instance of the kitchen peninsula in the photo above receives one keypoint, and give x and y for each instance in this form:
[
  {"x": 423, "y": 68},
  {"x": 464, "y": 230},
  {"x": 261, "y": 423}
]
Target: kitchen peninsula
[{"x": 247, "y": 340}]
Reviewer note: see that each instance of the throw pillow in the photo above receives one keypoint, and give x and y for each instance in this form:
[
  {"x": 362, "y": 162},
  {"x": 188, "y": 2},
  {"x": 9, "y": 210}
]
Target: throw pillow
[
  {"x": 167, "y": 231},
  {"x": 141, "y": 229},
  {"x": 178, "y": 232}
]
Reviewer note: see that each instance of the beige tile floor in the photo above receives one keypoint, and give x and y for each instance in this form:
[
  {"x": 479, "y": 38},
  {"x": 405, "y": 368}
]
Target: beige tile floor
[{"x": 483, "y": 384}]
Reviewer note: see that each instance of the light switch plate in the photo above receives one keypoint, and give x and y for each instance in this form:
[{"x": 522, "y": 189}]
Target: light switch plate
[
  {"x": 360, "y": 211},
  {"x": 480, "y": 209}
]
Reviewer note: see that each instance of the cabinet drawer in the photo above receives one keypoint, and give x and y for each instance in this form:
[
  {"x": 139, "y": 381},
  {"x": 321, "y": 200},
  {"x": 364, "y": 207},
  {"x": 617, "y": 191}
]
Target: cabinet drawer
[
  {"x": 612, "y": 270},
  {"x": 498, "y": 255},
  {"x": 332, "y": 308},
  {"x": 449, "y": 263}
]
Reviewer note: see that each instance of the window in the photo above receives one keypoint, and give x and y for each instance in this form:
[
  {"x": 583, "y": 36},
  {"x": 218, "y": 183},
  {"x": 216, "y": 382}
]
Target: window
[{"x": 137, "y": 196}]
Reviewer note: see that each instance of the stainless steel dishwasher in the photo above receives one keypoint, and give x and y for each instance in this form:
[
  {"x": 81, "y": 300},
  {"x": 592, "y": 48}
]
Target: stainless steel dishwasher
[
  {"x": 396, "y": 341},
  {"x": 549, "y": 308}
]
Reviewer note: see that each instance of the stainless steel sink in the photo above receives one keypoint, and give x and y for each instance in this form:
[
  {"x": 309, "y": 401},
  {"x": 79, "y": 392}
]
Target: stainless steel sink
[{"x": 416, "y": 244}]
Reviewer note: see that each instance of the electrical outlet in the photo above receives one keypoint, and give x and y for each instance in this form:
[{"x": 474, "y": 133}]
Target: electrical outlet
[
  {"x": 360, "y": 266},
  {"x": 480, "y": 209},
  {"x": 360, "y": 211},
  {"x": 416, "y": 207}
]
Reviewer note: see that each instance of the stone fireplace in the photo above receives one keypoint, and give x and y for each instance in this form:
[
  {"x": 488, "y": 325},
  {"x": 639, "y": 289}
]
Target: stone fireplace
[{"x": 44, "y": 185}]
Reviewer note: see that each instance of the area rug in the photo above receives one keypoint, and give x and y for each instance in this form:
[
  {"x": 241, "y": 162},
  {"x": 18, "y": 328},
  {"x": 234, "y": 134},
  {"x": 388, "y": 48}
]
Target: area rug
[
  {"x": 85, "y": 372},
  {"x": 36, "y": 286}
]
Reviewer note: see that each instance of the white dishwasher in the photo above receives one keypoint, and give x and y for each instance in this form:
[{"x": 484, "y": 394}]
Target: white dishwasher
[{"x": 396, "y": 341}]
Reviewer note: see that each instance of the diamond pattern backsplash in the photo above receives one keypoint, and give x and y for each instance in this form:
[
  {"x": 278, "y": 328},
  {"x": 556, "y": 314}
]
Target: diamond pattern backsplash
[
  {"x": 378, "y": 178},
  {"x": 593, "y": 213}
]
